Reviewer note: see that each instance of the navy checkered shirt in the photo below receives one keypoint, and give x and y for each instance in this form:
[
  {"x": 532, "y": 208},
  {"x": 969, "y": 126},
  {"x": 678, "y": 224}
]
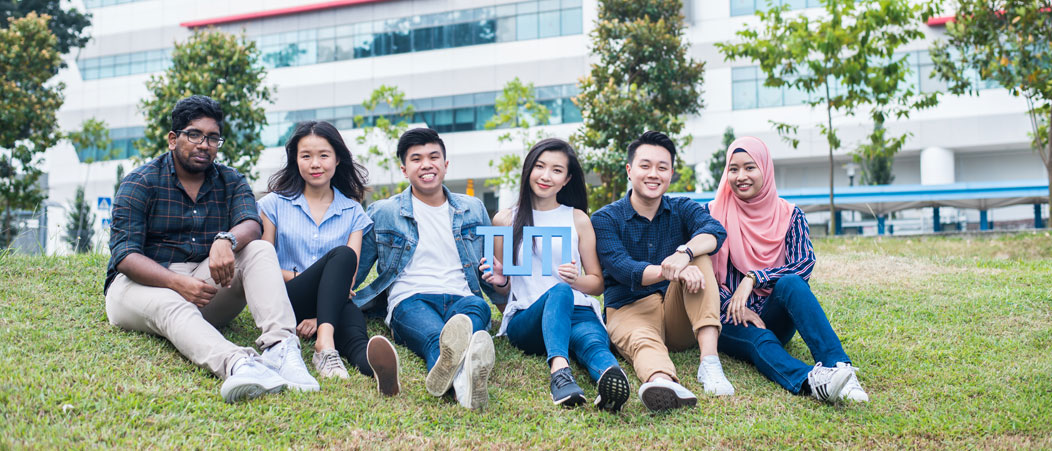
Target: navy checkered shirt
[
  {"x": 627, "y": 243},
  {"x": 154, "y": 216}
]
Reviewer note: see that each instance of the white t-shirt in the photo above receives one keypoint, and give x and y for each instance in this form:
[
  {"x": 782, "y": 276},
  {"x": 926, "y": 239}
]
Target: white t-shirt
[{"x": 435, "y": 267}]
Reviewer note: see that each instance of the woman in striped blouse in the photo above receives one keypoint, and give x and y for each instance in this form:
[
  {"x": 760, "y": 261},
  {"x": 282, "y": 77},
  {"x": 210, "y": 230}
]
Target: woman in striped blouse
[
  {"x": 763, "y": 268},
  {"x": 315, "y": 220}
]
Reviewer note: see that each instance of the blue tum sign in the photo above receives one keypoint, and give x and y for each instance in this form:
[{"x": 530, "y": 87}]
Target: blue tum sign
[{"x": 546, "y": 234}]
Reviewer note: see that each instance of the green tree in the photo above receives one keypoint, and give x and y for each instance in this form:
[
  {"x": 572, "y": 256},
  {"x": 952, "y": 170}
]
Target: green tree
[
  {"x": 843, "y": 60},
  {"x": 387, "y": 116},
  {"x": 516, "y": 108},
  {"x": 93, "y": 136},
  {"x": 80, "y": 222},
  {"x": 718, "y": 161},
  {"x": 1008, "y": 42},
  {"x": 120, "y": 176},
  {"x": 876, "y": 156},
  {"x": 221, "y": 66},
  {"x": 28, "y": 104},
  {"x": 67, "y": 23},
  {"x": 642, "y": 80}
]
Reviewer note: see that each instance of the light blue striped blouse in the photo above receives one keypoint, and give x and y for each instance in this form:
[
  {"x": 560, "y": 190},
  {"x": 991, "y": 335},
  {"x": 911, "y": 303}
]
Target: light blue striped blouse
[{"x": 300, "y": 241}]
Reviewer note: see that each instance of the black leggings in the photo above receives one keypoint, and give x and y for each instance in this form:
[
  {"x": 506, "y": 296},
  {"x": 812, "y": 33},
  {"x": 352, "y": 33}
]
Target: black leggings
[{"x": 321, "y": 291}]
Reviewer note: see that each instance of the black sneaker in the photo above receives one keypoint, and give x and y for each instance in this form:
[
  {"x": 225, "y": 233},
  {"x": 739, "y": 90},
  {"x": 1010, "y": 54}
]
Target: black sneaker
[
  {"x": 613, "y": 389},
  {"x": 565, "y": 391}
]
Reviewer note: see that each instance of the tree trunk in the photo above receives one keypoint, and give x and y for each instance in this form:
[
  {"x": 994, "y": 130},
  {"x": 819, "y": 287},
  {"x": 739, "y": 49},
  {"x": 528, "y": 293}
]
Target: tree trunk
[
  {"x": 1047, "y": 150},
  {"x": 829, "y": 138}
]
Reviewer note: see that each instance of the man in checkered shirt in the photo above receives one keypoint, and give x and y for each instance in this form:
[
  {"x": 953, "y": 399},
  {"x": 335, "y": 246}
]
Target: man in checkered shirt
[{"x": 186, "y": 258}]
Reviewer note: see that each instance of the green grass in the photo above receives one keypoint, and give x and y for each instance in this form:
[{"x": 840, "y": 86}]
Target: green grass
[{"x": 952, "y": 336}]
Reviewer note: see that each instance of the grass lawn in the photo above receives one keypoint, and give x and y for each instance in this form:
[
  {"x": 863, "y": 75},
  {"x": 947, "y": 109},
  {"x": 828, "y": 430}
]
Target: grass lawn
[{"x": 952, "y": 335}]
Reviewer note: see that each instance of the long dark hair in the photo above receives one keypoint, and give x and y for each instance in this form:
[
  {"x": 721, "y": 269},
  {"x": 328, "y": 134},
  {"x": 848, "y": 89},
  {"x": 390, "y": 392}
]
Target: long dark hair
[
  {"x": 350, "y": 177},
  {"x": 574, "y": 194}
]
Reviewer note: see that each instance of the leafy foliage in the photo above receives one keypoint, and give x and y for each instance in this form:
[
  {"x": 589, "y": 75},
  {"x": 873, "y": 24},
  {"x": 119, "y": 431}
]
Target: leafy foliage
[
  {"x": 67, "y": 23},
  {"x": 28, "y": 104},
  {"x": 93, "y": 134},
  {"x": 120, "y": 176},
  {"x": 516, "y": 108},
  {"x": 844, "y": 60},
  {"x": 80, "y": 223},
  {"x": 718, "y": 161},
  {"x": 221, "y": 66},
  {"x": 1008, "y": 42},
  {"x": 389, "y": 116},
  {"x": 643, "y": 80},
  {"x": 876, "y": 157}
]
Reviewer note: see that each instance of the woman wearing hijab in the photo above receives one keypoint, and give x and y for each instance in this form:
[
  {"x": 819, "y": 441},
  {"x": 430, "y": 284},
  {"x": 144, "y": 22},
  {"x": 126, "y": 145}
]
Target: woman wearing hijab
[{"x": 763, "y": 268}]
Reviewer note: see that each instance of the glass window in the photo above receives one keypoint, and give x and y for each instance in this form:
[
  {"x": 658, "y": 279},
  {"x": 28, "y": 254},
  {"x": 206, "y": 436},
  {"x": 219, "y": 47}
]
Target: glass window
[
  {"x": 572, "y": 21},
  {"x": 485, "y": 31},
  {"x": 326, "y": 50},
  {"x": 327, "y": 33},
  {"x": 465, "y": 119},
  {"x": 549, "y": 24},
  {"x": 345, "y": 48},
  {"x": 571, "y": 3},
  {"x": 744, "y": 94},
  {"x": 422, "y": 39},
  {"x": 462, "y": 35},
  {"x": 442, "y": 103},
  {"x": 555, "y": 113},
  {"x": 769, "y": 96},
  {"x": 742, "y": 7},
  {"x": 506, "y": 10},
  {"x": 526, "y": 27},
  {"x": 381, "y": 44},
  {"x": 401, "y": 42},
  {"x": 526, "y": 7},
  {"x": 443, "y": 121},
  {"x": 506, "y": 29},
  {"x": 547, "y": 5},
  {"x": 362, "y": 44},
  {"x": 571, "y": 113},
  {"x": 463, "y": 100},
  {"x": 483, "y": 114}
]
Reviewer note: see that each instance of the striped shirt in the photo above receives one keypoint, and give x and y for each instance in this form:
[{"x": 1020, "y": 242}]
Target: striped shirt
[
  {"x": 799, "y": 260},
  {"x": 154, "y": 216},
  {"x": 299, "y": 240}
]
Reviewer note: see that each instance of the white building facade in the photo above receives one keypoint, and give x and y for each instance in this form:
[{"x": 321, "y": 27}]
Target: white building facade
[{"x": 452, "y": 57}]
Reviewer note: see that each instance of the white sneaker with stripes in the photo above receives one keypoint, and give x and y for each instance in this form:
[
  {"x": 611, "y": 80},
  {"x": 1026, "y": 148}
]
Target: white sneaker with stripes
[{"x": 827, "y": 383}]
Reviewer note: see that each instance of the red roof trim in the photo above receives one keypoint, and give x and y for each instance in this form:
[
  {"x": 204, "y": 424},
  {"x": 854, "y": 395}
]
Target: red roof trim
[
  {"x": 939, "y": 21},
  {"x": 276, "y": 12}
]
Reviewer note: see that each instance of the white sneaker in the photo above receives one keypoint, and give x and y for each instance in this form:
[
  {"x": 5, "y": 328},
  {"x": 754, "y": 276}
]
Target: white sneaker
[
  {"x": 828, "y": 383},
  {"x": 451, "y": 343},
  {"x": 249, "y": 379},
  {"x": 852, "y": 390},
  {"x": 286, "y": 358},
  {"x": 471, "y": 381},
  {"x": 710, "y": 374},
  {"x": 329, "y": 364},
  {"x": 663, "y": 394}
]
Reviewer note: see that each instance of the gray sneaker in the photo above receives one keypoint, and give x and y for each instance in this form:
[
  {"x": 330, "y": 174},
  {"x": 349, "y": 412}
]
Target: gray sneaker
[
  {"x": 249, "y": 379},
  {"x": 286, "y": 358},
  {"x": 828, "y": 383},
  {"x": 329, "y": 364},
  {"x": 451, "y": 343},
  {"x": 471, "y": 381}
]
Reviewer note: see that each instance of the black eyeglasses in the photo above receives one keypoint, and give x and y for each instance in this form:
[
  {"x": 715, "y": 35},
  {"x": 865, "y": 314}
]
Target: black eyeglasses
[{"x": 197, "y": 137}]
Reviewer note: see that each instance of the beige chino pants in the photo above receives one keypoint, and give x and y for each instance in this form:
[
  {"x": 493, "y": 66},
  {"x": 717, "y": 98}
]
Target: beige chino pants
[
  {"x": 644, "y": 331},
  {"x": 164, "y": 312}
]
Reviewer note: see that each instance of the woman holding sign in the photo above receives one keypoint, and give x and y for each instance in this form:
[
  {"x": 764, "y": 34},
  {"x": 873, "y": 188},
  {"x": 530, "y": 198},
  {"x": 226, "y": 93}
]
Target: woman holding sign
[
  {"x": 763, "y": 268},
  {"x": 557, "y": 315}
]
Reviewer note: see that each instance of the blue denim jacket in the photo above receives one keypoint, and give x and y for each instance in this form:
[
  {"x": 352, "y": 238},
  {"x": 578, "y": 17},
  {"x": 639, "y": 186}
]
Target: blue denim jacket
[{"x": 393, "y": 239}]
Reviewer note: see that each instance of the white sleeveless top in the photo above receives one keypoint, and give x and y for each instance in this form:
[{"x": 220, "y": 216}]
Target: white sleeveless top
[{"x": 525, "y": 290}]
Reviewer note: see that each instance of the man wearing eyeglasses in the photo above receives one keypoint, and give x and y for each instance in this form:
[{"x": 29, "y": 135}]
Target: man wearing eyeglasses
[{"x": 186, "y": 258}]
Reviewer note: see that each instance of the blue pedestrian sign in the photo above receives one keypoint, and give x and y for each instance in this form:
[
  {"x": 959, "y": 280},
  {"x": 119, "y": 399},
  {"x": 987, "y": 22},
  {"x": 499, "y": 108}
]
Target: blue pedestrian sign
[
  {"x": 105, "y": 203},
  {"x": 106, "y": 223}
]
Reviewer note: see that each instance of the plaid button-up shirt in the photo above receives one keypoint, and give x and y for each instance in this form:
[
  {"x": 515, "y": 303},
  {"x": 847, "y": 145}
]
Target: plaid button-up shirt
[
  {"x": 154, "y": 216},
  {"x": 627, "y": 243}
]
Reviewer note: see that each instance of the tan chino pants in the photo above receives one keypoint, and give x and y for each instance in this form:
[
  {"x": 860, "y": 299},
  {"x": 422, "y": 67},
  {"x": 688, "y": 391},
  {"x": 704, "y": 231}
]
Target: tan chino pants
[
  {"x": 164, "y": 312},
  {"x": 644, "y": 331}
]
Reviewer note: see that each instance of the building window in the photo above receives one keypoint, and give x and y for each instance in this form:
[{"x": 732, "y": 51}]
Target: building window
[
  {"x": 91, "y": 4},
  {"x": 749, "y": 7},
  {"x": 122, "y": 147},
  {"x": 445, "y": 114},
  {"x": 125, "y": 64}
]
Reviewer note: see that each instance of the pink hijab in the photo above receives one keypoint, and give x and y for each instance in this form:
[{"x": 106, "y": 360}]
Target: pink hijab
[{"x": 756, "y": 227}]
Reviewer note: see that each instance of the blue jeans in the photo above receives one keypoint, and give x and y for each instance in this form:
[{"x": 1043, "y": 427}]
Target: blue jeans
[
  {"x": 791, "y": 307},
  {"x": 555, "y": 326},
  {"x": 417, "y": 321}
]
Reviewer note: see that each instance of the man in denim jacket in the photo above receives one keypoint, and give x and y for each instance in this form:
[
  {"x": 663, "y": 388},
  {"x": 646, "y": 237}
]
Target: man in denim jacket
[{"x": 428, "y": 256}]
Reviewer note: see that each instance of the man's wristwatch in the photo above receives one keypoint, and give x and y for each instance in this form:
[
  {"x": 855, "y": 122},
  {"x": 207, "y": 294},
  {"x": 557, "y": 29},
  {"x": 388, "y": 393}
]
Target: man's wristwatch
[
  {"x": 229, "y": 237},
  {"x": 752, "y": 275},
  {"x": 686, "y": 250}
]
